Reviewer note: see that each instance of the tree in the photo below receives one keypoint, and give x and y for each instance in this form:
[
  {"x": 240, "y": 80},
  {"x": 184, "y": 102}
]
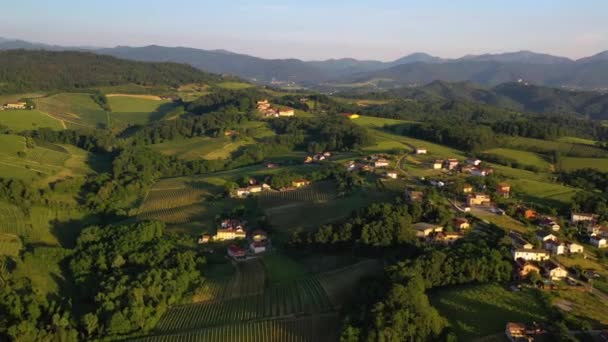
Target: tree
[{"x": 90, "y": 323}]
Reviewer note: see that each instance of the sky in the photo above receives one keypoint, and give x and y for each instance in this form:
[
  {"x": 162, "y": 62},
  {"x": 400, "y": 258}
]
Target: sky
[{"x": 318, "y": 29}]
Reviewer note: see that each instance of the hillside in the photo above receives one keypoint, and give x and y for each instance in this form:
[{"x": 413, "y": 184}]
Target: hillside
[{"x": 22, "y": 71}]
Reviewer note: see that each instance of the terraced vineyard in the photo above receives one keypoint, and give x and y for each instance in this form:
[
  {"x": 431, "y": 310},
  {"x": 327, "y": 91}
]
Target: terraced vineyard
[
  {"x": 318, "y": 192},
  {"x": 159, "y": 199},
  {"x": 318, "y": 328},
  {"x": 304, "y": 296},
  {"x": 12, "y": 220}
]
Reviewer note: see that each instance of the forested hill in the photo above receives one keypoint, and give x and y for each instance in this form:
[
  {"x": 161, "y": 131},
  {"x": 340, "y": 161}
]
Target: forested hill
[
  {"x": 22, "y": 71},
  {"x": 513, "y": 96}
]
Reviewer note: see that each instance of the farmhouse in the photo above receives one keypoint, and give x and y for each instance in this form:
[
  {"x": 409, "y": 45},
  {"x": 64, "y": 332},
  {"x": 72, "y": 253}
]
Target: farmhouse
[
  {"x": 528, "y": 214},
  {"x": 530, "y": 254},
  {"x": 481, "y": 172},
  {"x": 259, "y": 235},
  {"x": 574, "y": 248},
  {"x": 524, "y": 268},
  {"x": 230, "y": 234},
  {"x": 257, "y": 247},
  {"x": 205, "y": 238},
  {"x": 15, "y": 105},
  {"x": 252, "y": 189},
  {"x": 554, "y": 271},
  {"x": 424, "y": 229},
  {"x": 263, "y": 105},
  {"x": 461, "y": 223},
  {"x": 421, "y": 150},
  {"x": 236, "y": 252},
  {"x": 230, "y": 133},
  {"x": 503, "y": 190},
  {"x": 582, "y": 217},
  {"x": 478, "y": 199},
  {"x": 437, "y": 164},
  {"x": 300, "y": 183}
]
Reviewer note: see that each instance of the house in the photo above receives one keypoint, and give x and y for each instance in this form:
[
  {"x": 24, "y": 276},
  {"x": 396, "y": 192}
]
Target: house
[
  {"x": 467, "y": 189},
  {"x": 391, "y": 174},
  {"x": 205, "y": 238},
  {"x": 598, "y": 242},
  {"x": 263, "y": 105},
  {"x": 424, "y": 229},
  {"x": 300, "y": 183},
  {"x": 544, "y": 236},
  {"x": 446, "y": 238},
  {"x": 259, "y": 235},
  {"x": 451, "y": 164},
  {"x": 461, "y": 223},
  {"x": 554, "y": 271},
  {"x": 528, "y": 214},
  {"x": 473, "y": 162},
  {"x": 236, "y": 252},
  {"x": 252, "y": 189},
  {"x": 414, "y": 196},
  {"x": 524, "y": 268},
  {"x": 478, "y": 199},
  {"x": 574, "y": 248},
  {"x": 530, "y": 254},
  {"x": 516, "y": 332},
  {"x": 503, "y": 190},
  {"x": 519, "y": 242},
  {"x": 583, "y": 217},
  {"x": 351, "y": 116},
  {"x": 272, "y": 165},
  {"x": 481, "y": 172},
  {"x": 257, "y": 247},
  {"x": 555, "y": 247},
  {"x": 224, "y": 234},
  {"x": 15, "y": 105},
  {"x": 230, "y": 133},
  {"x": 549, "y": 223},
  {"x": 421, "y": 150},
  {"x": 287, "y": 112},
  {"x": 437, "y": 164},
  {"x": 380, "y": 162}
]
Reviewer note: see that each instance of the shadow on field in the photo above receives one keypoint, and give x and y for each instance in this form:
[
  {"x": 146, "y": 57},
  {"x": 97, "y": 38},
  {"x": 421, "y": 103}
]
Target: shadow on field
[{"x": 67, "y": 232}]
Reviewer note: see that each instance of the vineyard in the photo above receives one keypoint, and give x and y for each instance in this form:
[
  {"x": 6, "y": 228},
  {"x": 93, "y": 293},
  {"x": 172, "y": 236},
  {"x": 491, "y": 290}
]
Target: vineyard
[
  {"x": 340, "y": 284},
  {"x": 74, "y": 109},
  {"x": 10, "y": 245},
  {"x": 249, "y": 279},
  {"x": 13, "y": 220},
  {"x": 304, "y": 296},
  {"x": 318, "y": 328},
  {"x": 159, "y": 199},
  {"x": 318, "y": 192}
]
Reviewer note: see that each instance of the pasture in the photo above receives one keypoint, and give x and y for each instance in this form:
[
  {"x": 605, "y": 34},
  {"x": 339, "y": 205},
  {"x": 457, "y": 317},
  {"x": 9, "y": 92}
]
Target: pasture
[
  {"x": 233, "y": 85},
  {"x": 482, "y": 310},
  {"x": 21, "y": 120},
  {"x": 317, "y": 328},
  {"x": 522, "y": 157},
  {"x": 76, "y": 110},
  {"x": 572, "y": 164},
  {"x": 564, "y": 147},
  {"x": 138, "y": 110},
  {"x": 201, "y": 147}
]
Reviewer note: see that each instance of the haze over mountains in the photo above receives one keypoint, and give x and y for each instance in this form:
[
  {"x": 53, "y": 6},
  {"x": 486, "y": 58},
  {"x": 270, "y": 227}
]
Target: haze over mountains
[{"x": 414, "y": 69}]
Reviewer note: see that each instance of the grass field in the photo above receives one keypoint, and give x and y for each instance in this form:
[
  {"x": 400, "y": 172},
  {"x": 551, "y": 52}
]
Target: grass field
[
  {"x": 201, "y": 147},
  {"x": 21, "y": 120},
  {"x": 41, "y": 266},
  {"x": 317, "y": 328},
  {"x": 564, "y": 147},
  {"x": 575, "y": 140},
  {"x": 138, "y": 110},
  {"x": 583, "y": 305},
  {"x": 482, "y": 310},
  {"x": 522, "y": 157},
  {"x": 234, "y": 85},
  {"x": 76, "y": 110},
  {"x": 571, "y": 164}
]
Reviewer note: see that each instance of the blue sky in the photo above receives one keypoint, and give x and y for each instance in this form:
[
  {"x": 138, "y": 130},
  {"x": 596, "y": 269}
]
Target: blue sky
[{"x": 316, "y": 29}]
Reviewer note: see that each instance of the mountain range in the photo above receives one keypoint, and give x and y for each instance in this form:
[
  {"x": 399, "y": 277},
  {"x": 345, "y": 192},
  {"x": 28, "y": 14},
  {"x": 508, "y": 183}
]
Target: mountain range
[{"x": 334, "y": 74}]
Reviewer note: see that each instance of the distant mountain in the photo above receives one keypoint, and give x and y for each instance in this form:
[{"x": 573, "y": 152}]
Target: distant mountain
[
  {"x": 524, "y": 57},
  {"x": 25, "y": 70},
  {"x": 514, "y": 96},
  {"x": 418, "y": 57},
  {"x": 602, "y": 56}
]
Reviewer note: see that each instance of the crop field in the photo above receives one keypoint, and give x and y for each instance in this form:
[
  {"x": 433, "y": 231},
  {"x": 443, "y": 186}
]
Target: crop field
[
  {"x": 571, "y": 164},
  {"x": 21, "y": 120},
  {"x": 76, "y": 110},
  {"x": 10, "y": 245},
  {"x": 522, "y": 157},
  {"x": 138, "y": 110},
  {"x": 305, "y": 296},
  {"x": 340, "y": 284},
  {"x": 482, "y": 310},
  {"x": 318, "y": 328}
]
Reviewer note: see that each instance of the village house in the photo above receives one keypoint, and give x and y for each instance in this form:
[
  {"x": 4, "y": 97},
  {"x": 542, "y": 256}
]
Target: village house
[
  {"x": 583, "y": 217},
  {"x": 252, "y": 189},
  {"x": 544, "y": 236},
  {"x": 15, "y": 105},
  {"x": 574, "y": 248},
  {"x": 516, "y": 332},
  {"x": 461, "y": 223},
  {"x": 446, "y": 238},
  {"x": 555, "y": 247},
  {"x": 528, "y": 214},
  {"x": 421, "y": 150},
  {"x": 263, "y": 105},
  {"x": 519, "y": 242},
  {"x": 598, "y": 242},
  {"x": 300, "y": 183},
  {"x": 530, "y": 254},
  {"x": 381, "y": 162},
  {"x": 549, "y": 223},
  {"x": 391, "y": 174},
  {"x": 286, "y": 112},
  {"x": 524, "y": 268},
  {"x": 451, "y": 164},
  {"x": 424, "y": 229},
  {"x": 205, "y": 238},
  {"x": 554, "y": 271},
  {"x": 230, "y": 230},
  {"x": 236, "y": 252},
  {"x": 478, "y": 199},
  {"x": 259, "y": 241},
  {"x": 503, "y": 190},
  {"x": 467, "y": 189},
  {"x": 437, "y": 164}
]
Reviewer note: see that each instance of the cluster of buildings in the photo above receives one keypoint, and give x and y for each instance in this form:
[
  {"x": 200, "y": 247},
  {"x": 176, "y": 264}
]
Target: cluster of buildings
[
  {"x": 233, "y": 229},
  {"x": 369, "y": 163},
  {"x": 317, "y": 157},
  {"x": 434, "y": 233},
  {"x": 258, "y": 243},
  {"x": 15, "y": 105},
  {"x": 470, "y": 166},
  {"x": 598, "y": 233},
  {"x": 267, "y": 110},
  {"x": 519, "y": 332},
  {"x": 230, "y": 229}
]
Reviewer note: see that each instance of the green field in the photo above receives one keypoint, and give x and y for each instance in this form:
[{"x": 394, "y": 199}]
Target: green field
[
  {"x": 571, "y": 164},
  {"x": 75, "y": 109},
  {"x": 21, "y": 120},
  {"x": 280, "y": 268},
  {"x": 201, "y": 147},
  {"x": 234, "y": 85},
  {"x": 564, "y": 147},
  {"x": 138, "y": 110},
  {"x": 10, "y": 245},
  {"x": 41, "y": 266},
  {"x": 575, "y": 140},
  {"x": 522, "y": 157},
  {"x": 317, "y": 328},
  {"x": 341, "y": 284},
  {"x": 483, "y": 310}
]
